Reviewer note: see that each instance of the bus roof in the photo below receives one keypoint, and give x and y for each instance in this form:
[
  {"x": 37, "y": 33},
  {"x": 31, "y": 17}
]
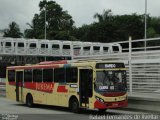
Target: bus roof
[{"x": 57, "y": 64}]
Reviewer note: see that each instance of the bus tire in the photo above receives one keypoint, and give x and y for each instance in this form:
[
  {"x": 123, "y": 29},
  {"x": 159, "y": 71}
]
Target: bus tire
[
  {"x": 29, "y": 100},
  {"x": 74, "y": 105}
]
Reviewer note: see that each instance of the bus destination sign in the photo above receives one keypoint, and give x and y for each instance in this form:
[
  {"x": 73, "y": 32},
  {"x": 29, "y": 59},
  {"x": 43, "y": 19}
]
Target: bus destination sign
[{"x": 109, "y": 65}]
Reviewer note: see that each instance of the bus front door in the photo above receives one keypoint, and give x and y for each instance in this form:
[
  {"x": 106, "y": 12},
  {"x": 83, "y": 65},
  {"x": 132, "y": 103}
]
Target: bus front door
[
  {"x": 85, "y": 89},
  {"x": 19, "y": 85}
]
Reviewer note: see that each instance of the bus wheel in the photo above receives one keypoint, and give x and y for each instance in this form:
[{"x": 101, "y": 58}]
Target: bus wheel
[
  {"x": 29, "y": 100},
  {"x": 74, "y": 105},
  {"x": 102, "y": 110}
]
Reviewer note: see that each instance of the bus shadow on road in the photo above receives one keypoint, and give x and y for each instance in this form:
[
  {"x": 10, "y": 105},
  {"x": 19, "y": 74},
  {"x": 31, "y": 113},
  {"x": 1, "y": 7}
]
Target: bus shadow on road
[
  {"x": 67, "y": 110},
  {"x": 45, "y": 107}
]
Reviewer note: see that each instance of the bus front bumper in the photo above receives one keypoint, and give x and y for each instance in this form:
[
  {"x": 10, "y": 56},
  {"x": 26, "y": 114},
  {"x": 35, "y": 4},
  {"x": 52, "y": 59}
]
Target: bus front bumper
[{"x": 105, "y": 105}]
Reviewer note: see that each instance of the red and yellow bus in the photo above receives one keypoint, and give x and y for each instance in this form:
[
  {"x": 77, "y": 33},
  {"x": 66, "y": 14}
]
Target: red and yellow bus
[{"x": 79, "y": 84}]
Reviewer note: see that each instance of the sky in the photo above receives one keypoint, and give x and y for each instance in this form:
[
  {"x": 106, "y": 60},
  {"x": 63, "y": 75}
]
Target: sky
[{"x": 82, "y": 11}]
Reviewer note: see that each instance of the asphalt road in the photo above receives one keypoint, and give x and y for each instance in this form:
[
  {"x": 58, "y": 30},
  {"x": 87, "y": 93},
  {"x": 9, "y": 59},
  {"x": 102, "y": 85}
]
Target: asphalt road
[{"x": 17, "y": 111}]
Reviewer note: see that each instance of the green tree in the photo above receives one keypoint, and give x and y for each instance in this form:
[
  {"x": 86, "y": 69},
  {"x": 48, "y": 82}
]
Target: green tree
[
  {"x": 81, "y": 33},
  {"x": 13, "y": 31},
  {"x": 153, "y": 30},
  {"x": 153, "y": 27},
  {"x": 112, "y": 28},
  {"x": 59, "y": 23},
  {"x": 105, "y": 16},
  {"x": 130, "y": 25}
]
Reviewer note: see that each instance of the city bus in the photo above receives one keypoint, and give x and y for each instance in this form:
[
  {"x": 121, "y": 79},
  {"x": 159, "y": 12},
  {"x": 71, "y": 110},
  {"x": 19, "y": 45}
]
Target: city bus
[{"x": 95, "y": 85}]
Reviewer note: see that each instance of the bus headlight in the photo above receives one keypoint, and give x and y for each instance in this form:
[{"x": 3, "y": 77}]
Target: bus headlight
[{"x": 99, "y": 99}]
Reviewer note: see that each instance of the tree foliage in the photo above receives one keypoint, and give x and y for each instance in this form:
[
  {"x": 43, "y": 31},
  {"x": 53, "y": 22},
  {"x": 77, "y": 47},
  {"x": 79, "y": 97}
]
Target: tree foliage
[
  {"x": 13, "y": 31},
  {"x": 153, "y": 27},
  {"x": 107, "y": 28},
  {"x": 111, "y": 28},
  {"x": 105, "y": 16},
  {"x": 114, "y": 28},
  {"x": 59, "y": 23}
]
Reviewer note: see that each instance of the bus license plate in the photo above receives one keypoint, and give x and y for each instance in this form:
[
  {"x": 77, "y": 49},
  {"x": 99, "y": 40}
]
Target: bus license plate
[{"x": 115, "y": 104}]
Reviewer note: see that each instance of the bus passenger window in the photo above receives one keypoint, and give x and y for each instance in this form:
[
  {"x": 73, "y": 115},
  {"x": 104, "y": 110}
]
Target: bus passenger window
[
  {"x": 37, "y": 75},
  {"x": 59, "y": 75},
  {"x": 11, "y": 75},
  {"x": 47, "y": 75},
  {"x": 71, "y": 75},
  {"x": 27, "y": 75}
]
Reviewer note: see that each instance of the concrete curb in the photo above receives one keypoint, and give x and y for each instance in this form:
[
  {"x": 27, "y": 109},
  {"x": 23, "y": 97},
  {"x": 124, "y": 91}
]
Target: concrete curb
[
  {"x": 140, "y": 103},
  {"x": 142, "y": 108},
  {"x": 145, "y": 98}
]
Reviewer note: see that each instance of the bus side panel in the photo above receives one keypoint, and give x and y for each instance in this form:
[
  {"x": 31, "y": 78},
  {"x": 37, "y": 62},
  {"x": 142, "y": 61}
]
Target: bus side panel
[
  {"x": 62, "y": 92},
  {"x": 10, "y": 88},
  {"x": 64, "y": 97},
  {"x": 52, "y": 98},
  {"x": 61, "y": 95},
  {"x": 10, "y": 91},
  {"x": 39, "y": 97},
  {"x": 73, "y": 91}
]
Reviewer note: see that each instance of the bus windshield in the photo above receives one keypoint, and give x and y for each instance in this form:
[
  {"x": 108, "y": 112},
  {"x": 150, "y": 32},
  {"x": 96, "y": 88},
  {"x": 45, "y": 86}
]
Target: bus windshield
[{"x": 112, "y": 81}]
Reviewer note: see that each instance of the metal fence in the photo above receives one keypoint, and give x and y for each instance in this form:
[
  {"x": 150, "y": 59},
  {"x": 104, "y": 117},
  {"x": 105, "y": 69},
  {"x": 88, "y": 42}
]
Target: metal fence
[{"x": 143, "y": 64}]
